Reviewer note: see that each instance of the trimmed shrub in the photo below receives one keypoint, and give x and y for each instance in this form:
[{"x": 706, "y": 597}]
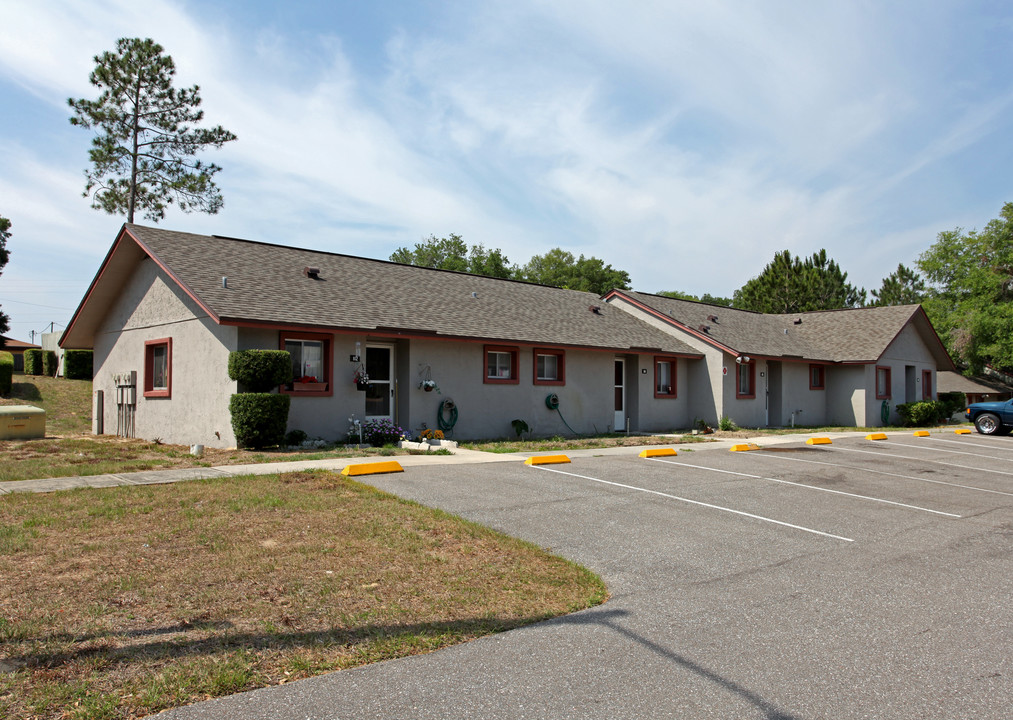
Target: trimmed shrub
[
  {"x": 49, "y": 363},
  {"x": 383, "y": 432},
  {"x": 77, "y": 364},
  {"x": 6, "y": 372},
  {"x": 259, "y": 419},
  {"x": 260, "y": 370},
  {"x": 33, "y": 361},
  {"x": 953, "y": 402},
  {"x": 916, "y": 414}
]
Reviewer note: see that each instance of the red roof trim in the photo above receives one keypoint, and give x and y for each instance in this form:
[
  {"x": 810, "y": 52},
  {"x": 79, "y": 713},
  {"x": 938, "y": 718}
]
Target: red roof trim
[
  {"x": 165, "y": 268},
  {"x": 388, "y": 334},
  {"x": 94, "y": 283},
  {"x": 671, "y": 321}
]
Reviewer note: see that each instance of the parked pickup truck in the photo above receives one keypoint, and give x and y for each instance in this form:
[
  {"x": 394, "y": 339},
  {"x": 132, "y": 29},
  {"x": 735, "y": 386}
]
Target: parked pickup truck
[{"x": 991, "y": 418}]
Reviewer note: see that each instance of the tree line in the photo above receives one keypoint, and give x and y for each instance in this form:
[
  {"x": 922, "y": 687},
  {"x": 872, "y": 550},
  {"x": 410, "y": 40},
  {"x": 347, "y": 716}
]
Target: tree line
[{"x": 964, "y": 281}]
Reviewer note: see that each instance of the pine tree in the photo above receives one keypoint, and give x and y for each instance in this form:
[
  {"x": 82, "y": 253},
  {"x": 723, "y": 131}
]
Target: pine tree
[
  {"x": 144, "y": 155},
  {"x": 902, "y": 287},
  {"x": 789, "y": 284}
]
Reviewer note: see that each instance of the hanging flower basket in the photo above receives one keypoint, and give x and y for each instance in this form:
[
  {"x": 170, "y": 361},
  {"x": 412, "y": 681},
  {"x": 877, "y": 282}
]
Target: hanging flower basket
[{"x": 361, "y": 379}]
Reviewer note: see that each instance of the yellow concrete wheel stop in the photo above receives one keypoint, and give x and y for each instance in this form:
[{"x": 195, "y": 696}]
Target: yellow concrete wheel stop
[
  {"x": 962, "y": 431},
  {"x": 921, "y": 433},
  {"x": 658, "y": 452},
  {"x": 818, "y": 441},
  {"x": 376, "y": 468},
  {"x": 876, "y": 436},
  {"x": 547, "y": 460},
  {"x": 744, "y": 447}
]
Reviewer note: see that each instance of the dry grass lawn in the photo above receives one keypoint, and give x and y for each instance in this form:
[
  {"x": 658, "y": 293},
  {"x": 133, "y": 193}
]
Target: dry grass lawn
[{"x": 122, "y": 602}]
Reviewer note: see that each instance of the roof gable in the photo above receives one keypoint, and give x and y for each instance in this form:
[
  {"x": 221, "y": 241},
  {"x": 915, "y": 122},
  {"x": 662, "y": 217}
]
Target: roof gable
[{"x": 859, "y": 335}]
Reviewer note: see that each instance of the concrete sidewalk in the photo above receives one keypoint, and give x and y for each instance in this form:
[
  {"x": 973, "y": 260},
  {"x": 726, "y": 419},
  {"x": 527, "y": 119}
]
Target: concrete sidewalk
[{"x": 460, "y": 457}]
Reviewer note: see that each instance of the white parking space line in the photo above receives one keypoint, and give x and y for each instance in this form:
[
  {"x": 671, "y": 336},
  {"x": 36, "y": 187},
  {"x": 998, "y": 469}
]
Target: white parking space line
[
  {"x": 866, "y": 470},
  {"x": 935, "y": 449},
  {"x": 809, "y": 487},
  {"x": 970, "y": 443},
  {"x": 934, "y": 462},
  {"x": 696, "y": 502}
]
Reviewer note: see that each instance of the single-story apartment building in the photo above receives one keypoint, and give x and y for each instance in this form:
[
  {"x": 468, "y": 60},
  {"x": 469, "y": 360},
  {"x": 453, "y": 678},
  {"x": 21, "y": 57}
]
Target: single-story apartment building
[
  {"x": 166, "y": 308},
  {"x": 835, "y": 367}
]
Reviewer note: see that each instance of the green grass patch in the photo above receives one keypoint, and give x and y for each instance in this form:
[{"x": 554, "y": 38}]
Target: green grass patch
[{"x": 202, "y": 589}]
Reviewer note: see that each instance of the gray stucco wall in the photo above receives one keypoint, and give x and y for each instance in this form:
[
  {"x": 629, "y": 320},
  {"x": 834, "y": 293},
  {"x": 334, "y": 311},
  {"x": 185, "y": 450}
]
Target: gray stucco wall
[
  {"x": 151, "y": 308},
  {"x": 908, "y": 353},
  {"x": 809, "y": 406},
  {"x": 846, "y": 395}
]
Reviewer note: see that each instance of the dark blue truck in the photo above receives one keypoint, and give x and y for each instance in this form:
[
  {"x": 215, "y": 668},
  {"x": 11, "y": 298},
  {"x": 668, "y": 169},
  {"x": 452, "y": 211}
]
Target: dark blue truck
[{"x": 991, "y": 418}]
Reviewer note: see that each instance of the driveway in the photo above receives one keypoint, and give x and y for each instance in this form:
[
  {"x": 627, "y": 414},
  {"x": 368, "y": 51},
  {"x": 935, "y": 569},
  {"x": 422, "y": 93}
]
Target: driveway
[{"x": 855, "y": 580}]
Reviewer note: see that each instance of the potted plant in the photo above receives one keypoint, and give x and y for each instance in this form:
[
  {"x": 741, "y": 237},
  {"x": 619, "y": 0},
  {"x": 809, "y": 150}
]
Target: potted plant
[{"x": 309, "y": 383}]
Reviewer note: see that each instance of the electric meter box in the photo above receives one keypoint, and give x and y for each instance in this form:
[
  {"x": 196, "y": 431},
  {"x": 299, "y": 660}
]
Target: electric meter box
[{"x": 22, "y": 422}]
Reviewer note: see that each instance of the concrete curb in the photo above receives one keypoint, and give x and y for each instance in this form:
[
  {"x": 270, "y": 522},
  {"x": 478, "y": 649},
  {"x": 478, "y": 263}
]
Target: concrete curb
[{"x": 461, "y": 456}]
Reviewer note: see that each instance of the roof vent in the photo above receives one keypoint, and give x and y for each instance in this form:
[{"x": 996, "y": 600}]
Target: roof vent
[
  {"x": 311, "y": 272},
  {"x": 798, "y": 321},
  {"x": 712, "y": 318},
  {"x": 786, "y": 331},
  {"x": 474, "y": 294},
  {"x": 225, "y": 282},
  {"x": 596, "y": 309},
  {"x": 704, "y": 328}
]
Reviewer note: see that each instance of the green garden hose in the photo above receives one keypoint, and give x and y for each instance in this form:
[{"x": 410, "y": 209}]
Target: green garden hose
[
  {"x": 447, "y": 407},
  {"x": 884, "y": 412}
]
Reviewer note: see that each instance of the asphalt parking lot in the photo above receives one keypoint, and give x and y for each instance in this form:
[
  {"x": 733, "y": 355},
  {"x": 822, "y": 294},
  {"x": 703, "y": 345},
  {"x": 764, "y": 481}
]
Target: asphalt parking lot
[{"x": 861, "y": 579}]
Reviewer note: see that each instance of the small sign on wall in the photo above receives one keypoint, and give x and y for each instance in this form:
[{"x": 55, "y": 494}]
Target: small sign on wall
[{"x": 724, "y": 371}]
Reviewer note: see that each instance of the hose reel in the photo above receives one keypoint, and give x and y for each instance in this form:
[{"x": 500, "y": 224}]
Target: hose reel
[{"x": 552, "y": 401}]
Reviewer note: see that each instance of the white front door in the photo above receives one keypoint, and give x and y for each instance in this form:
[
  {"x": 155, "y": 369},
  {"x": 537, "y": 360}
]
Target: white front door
[
  {"x": 380, "y": 393},
  {"x": 620, "y": 395}
]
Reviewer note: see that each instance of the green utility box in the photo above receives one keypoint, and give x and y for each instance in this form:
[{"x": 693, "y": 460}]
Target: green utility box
[{"x": 22, "y": 422}]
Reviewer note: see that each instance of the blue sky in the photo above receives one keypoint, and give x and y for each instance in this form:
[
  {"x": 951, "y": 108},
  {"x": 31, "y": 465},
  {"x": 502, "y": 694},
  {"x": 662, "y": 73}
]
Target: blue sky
[{"x": 683, "y": 142}]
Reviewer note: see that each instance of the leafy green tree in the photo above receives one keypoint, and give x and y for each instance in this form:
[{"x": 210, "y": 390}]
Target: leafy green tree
[
  {"x": 790, "y": 284},
  {"x": 970, "y": 299},
  {"x": 902, "y": 287},
  {"x": 560, "y": 268},
  {"x": 453, "y": 254},
  {"x": 678, "y": 295},
  {"x": 705, "y": 298},
  {"x": 716, "y": 300},
  {"x": 5, "y": 255},
  {"x": 144, "y": 155}
]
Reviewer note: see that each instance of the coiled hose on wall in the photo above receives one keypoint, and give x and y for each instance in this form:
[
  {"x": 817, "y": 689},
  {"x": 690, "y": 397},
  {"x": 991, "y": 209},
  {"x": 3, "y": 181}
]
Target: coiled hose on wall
[
  {"x": 552, "y": 402},
  {"x": 449, "y": 408}
]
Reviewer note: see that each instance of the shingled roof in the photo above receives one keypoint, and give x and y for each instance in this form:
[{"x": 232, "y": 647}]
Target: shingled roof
[
  {"x": 858, "y": 335},
  {"x": 266, "y": 284}
]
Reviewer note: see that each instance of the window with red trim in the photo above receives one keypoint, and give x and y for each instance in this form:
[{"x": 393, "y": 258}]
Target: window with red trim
[
  {"x": 158, "y": 368},
  {"x": 817, "y": 377},
  {"x": 500, "y": 365},
  {"x": 549, "y": 367},
  {"x": 883, "y": 383},
  {"x": 926, "y": 384},
  {"x": 664, "y": 377},
  {"x": 745, "y": 381},
  {"x": 312, "y": 363}
]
